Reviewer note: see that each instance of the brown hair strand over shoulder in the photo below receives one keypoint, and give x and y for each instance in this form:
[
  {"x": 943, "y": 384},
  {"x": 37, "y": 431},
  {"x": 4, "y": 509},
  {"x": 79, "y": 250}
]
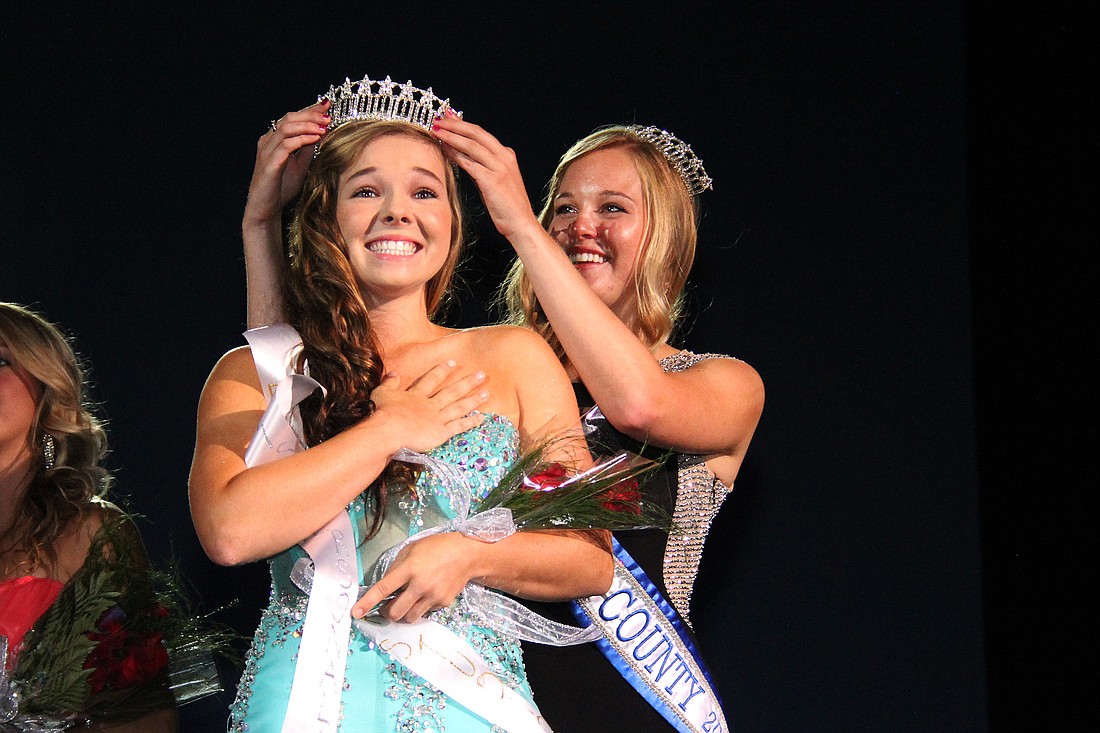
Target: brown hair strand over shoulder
[{"x": 324, "y": 301}]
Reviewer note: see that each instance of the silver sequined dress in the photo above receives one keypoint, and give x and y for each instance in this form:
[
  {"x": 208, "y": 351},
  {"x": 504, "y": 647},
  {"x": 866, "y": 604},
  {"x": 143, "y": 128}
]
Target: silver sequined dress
[{"x": 699, "y": 496}]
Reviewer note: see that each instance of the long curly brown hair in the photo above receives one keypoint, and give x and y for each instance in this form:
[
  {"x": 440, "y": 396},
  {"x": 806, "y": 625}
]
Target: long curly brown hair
[
  {"x": 56, "y": 497},
  {"x": 668, "y": 243},
  {"x": 325, "y": 304}
]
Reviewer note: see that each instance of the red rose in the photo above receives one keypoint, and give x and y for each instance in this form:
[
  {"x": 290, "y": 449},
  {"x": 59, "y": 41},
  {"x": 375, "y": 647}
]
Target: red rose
[
  {"x": 120, "y": 659},
  {"x": 548, "y": 479},
  {"x": 623, "y": 497},
  {"x": 144, "y": 658}
]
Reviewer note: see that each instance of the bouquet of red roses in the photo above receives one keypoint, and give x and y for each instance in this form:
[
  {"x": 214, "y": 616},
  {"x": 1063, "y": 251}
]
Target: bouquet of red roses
[
  {"x": 542, "y": 495},
  {"x": 119, "y": 642},
  {"x": 533, "y": 494}
]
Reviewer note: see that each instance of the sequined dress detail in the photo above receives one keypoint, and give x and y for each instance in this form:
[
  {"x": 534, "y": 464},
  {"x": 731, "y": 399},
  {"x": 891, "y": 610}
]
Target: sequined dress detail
[
  {"x": 380, "y": 694},
  {"x": 699, "y": 496}
]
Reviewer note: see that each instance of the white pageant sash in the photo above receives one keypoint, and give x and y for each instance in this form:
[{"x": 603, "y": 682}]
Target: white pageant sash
[
  {"x": 644, "y": 640},
  {"x": 427, "y": 648},
  {"x": 314, "y": 703},
  {"x": 447, "y": 661},
  {"x": 279, "y": 433},
  {"x": 274, "y": 349}
]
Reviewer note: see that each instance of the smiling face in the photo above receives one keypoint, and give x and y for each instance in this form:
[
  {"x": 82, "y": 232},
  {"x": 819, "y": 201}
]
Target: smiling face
[
  {"x": 600, "y": 221},
  {"x": 648, "y": 246},
  {"x": 394, "y": 215}
]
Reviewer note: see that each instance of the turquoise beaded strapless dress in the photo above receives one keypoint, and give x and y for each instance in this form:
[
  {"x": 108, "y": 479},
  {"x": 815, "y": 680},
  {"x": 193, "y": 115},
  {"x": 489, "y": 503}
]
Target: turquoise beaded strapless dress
[{"x": 379, "y": 694}]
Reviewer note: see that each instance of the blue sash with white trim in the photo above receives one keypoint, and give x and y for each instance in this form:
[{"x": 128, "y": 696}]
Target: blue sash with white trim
[{"x": 645, "y": 640}]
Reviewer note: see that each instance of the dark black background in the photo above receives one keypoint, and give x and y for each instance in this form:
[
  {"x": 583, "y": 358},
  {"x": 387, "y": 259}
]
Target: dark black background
[{"x": 898, "y": 240}]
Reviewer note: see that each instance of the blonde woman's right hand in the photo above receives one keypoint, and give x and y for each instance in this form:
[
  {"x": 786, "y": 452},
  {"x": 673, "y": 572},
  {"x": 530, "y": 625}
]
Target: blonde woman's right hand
[
  {"x": 432, "y": 409},
  {"x": 283, "y": 155},
  {"x": 494, "y": 168}
]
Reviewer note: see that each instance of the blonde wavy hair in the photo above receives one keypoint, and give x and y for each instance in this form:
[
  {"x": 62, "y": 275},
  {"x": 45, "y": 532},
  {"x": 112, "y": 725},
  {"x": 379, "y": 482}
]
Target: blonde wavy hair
[
  {"x": 666, "y": 254},
  {"x": 55, "y": 497},
  {"x": 323, "y": 296}
]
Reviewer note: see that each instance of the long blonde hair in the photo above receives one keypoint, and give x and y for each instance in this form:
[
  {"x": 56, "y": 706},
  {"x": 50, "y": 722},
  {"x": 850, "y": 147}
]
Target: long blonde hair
[
  {"x": 56, "y": 496},
  {"x": 323, "y": 296},
  {"x": 668, "y": 242}
]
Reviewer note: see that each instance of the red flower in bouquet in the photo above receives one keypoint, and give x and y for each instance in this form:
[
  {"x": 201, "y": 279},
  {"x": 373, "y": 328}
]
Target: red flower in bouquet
[
  {"x": 550, "y": 478},
  {"x": 623, "y": 497},
  {"x": 123, "y": 659},
  {"x": 100, "y": 652},
  {"x": 545, "y": 495}
]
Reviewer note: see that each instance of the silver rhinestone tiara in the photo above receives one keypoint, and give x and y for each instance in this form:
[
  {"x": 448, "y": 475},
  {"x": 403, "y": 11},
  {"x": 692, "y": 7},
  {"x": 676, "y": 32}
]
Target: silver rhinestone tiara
[
  {"x": 375, "y": 100},
  {"x": 679, "y": 154}
]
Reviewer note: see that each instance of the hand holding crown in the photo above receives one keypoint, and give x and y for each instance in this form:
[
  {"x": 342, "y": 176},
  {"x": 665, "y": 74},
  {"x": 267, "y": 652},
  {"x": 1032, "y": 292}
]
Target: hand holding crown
[
  {"x": 283, "y": 155},
  {"x": 495, "y": 170}
]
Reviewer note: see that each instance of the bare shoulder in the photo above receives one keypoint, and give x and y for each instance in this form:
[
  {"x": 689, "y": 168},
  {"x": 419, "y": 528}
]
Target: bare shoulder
[
  {"x": 236, "y": 365},
  {"x": 543, "y": 399},
  {"x": 233, "y": 384},
  {"x": 727, "y": 367},
  {"x": 102, "y": 513},
  {"x": 523, "y": 358},
  {"x": 730, "y": 381},
  {"x": 514, "y": 343}
]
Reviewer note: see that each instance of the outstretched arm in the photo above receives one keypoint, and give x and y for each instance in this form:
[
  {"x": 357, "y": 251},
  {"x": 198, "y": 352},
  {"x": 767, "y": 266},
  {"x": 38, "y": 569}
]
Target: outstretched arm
[
  {"x": 283, "y": 155},
  {"x": 711, "y": 408}
]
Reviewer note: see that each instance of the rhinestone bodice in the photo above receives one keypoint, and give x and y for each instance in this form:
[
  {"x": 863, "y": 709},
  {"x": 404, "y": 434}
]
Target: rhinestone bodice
[
  {"x": 379, "y": 694},
  {"x": 482, "y": 455}
]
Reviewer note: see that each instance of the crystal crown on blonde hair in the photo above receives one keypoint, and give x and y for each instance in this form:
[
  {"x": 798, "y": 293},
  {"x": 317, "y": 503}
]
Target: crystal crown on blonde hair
[
  {"x": 679, "y": 154},
  {"x": 367, "y": 99}
]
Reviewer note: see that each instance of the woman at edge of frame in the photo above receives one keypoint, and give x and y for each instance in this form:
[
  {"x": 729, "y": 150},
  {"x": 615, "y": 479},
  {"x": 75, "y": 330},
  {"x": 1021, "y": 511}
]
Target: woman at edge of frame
[{"x": 53, "y": 505}]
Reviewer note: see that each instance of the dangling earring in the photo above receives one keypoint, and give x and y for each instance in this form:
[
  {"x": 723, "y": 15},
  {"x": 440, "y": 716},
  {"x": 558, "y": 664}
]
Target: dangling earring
[{"x": 48, "y": 450}]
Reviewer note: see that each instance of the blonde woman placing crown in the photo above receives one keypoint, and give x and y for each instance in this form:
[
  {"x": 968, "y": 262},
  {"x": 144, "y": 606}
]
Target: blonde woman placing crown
[
  {"x": 600, "y": 275},
  {"x": 374, "y": 241}
]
